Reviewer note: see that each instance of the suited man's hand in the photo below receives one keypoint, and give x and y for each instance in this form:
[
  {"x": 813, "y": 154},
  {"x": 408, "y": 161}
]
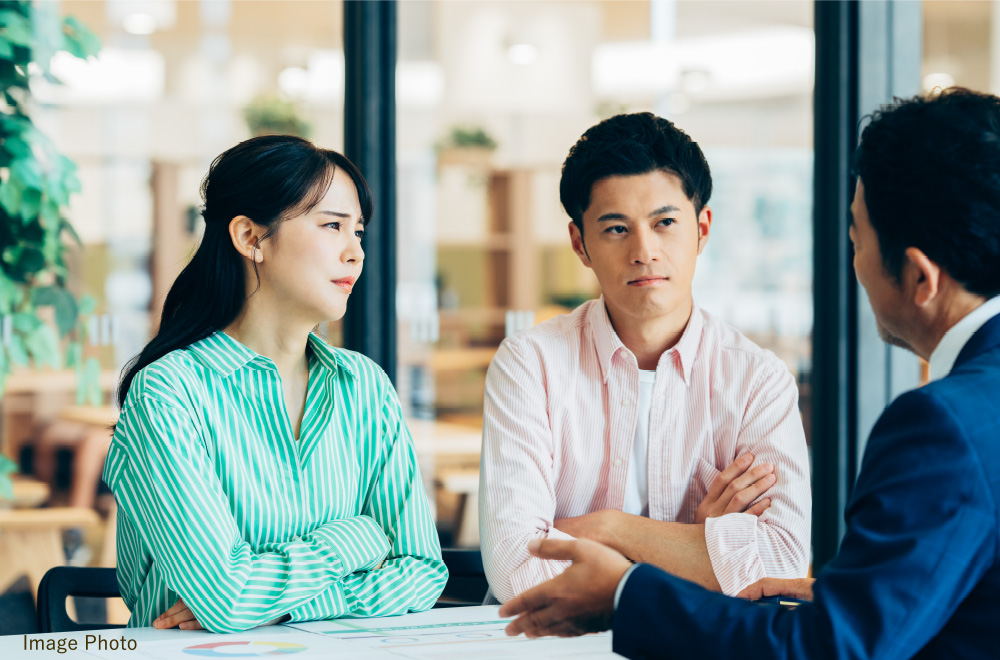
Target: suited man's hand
[
  {"x": 800, "y": 588},
  {"x": 579, "y": 601}
]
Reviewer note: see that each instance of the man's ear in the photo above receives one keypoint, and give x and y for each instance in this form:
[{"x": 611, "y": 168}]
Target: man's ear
[
  {"x": 704, "y": 225},
  {"x": 246, "y": 235},
  {"x": 576, "y": 238},
  {"x": 921, "y": 276}
]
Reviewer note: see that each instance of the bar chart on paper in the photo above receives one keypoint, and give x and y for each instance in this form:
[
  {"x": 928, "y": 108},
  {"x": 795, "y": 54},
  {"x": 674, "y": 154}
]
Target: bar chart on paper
[{"x": 454, "y": 634}]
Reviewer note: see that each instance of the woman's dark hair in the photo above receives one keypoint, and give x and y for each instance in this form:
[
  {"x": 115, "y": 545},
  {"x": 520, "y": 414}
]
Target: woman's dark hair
[
  {"x": 930, "y": 166},
  {"x": 267, "y": 179},
  {"x": 625, "y": 145}
]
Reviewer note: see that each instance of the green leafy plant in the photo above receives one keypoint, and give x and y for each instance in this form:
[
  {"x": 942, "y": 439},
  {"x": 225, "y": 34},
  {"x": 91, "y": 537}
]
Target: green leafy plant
[
  {"x": 7, "y": 468},
  {"x": 39, "y": 315},
  {"x": 271, "y": 115},
  {"x": 466, "y": 137}
]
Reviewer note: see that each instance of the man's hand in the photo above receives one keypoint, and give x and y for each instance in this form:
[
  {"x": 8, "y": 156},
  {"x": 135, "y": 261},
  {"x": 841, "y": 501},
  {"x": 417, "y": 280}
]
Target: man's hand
[
  {"x": 801, "y": 588},
  {"x": 578, "y": 601},
  {"x": 735, "y": 488},
  {"x": 178, "y": 615},
  {"x": 600, "y": 526}
]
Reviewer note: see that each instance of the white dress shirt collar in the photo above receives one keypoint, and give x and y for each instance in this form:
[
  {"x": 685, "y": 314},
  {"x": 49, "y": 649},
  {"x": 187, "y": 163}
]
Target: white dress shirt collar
[{"x": 944, "y": 356}]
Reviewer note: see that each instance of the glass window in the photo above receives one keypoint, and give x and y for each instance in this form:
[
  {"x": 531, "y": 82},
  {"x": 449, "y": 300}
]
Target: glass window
[
  {"x": 491, "y": 97},
  {"x": 175, "y": 84}
]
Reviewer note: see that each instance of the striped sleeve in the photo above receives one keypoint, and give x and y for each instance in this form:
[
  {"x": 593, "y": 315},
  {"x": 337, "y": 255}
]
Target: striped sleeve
[
  {"x": 517, "y": 484},
  {"x": 413, "y": 575},
  {"x": 744, "y": 548},
  {"x": 165, "y": 479}
]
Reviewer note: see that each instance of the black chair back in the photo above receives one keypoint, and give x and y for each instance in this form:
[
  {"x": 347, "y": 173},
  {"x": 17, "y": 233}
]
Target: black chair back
[
  {"x": 62, "y": 582},
  {"x": 467, "y": 583}
]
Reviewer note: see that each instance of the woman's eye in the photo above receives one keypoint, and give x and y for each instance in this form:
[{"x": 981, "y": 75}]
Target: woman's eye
[
  {"x": 617, "y": 229},
  {"x": 333, "y": 225},
  {"x": 360, "y": 234}
]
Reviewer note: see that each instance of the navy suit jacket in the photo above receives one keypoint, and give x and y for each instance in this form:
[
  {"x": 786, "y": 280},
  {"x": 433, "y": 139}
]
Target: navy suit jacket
[{"x": 918, "y": 573}]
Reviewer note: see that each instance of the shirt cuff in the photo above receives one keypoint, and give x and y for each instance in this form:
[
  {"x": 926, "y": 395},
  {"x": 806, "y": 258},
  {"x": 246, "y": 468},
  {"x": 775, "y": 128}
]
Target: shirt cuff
[
  {"x": 358, "y": 542},
  {"x": 621, "y": 584},
  {"x": 732, "y": 549}
]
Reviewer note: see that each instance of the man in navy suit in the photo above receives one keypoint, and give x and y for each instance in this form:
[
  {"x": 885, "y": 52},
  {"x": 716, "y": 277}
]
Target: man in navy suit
[{"x": 918, "y": 573}]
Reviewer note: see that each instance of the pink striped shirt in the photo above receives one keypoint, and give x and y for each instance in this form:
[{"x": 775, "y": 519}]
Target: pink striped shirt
[{"x": 559, "y": 420}]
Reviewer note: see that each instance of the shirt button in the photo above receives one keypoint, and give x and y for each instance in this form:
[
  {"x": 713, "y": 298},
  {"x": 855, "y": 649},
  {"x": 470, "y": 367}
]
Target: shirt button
[{"x": 618, "y": 461}]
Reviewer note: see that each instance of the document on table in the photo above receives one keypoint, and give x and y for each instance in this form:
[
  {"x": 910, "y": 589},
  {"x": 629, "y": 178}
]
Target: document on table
[
  {"x": 266, "y": 641},
  {"x": 444, "y": 634},
  {"x": 454, "y": 634}
]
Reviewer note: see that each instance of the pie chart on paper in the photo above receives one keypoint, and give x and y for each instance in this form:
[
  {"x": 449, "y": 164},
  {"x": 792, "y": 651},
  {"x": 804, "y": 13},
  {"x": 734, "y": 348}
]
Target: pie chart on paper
[{"x": 244, "y": 649}]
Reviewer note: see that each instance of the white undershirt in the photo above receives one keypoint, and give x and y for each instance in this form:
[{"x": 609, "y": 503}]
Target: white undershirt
[{"x": 636, "y": 484}]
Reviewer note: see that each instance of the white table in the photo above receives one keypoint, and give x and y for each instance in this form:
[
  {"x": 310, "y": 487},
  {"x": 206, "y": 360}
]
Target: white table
[{"x": 458, "y": 633}]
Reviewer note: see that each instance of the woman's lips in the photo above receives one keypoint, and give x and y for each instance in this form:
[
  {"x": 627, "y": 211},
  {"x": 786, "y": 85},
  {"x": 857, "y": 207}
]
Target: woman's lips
[{"x": 345, "y": 283}]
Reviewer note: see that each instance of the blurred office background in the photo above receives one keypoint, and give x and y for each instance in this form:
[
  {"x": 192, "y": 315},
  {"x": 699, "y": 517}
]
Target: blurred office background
[{"x": 489, "y": 96}]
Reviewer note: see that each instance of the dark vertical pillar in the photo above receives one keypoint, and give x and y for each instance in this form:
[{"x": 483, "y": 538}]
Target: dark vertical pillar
[
  {"x": 370, "y": 142},
  {"x": 834, "y": 291},
  {"x": 866, "y": 53}
]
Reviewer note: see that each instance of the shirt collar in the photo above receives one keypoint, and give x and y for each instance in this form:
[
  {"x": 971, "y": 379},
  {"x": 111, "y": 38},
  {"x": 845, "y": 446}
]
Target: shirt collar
[
  {"x": 608, "y": 343},
  {"x": 944, "y": 355},
  {"x": 328, "y": 356},
  {"x": 225, "y": 355}
]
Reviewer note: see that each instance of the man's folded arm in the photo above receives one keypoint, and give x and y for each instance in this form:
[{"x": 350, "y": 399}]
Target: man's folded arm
[
  {"x": 745, "y": 548},
  {"x": 517, "y": 486}
]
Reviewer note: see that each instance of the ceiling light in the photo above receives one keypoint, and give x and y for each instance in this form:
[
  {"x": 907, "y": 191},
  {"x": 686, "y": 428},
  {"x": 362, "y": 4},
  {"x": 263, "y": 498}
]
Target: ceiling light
[
  {"x": 293, "y": 81},
  {"x": 522, "y": 54},
  {"x": 940, "y": 80},
  {"x": 139, "y": 23}
]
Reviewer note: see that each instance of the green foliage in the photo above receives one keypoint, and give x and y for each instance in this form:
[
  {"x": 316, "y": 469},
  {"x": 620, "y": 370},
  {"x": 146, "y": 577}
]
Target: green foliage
[
  {"x": 36, "y": 182},
  {"x": 270, "y": 115},
  {"x": 7, "y": 468},
  {"x": 469, "y": 136}
]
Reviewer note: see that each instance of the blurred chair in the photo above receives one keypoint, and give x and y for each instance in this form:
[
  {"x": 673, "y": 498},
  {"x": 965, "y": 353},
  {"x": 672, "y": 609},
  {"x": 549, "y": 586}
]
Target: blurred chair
[
  {"x": 466, "y": 579},
  {"x": 62, "y": 582}
]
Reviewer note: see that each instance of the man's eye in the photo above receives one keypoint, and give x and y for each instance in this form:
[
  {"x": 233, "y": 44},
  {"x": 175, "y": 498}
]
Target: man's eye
[
  {"x": 617, "y": 229},
  {"x": 668, "y": 221}
]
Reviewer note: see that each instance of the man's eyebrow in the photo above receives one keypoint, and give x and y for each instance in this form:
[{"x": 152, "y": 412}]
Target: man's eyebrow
[{"x": 669, "y": 208}]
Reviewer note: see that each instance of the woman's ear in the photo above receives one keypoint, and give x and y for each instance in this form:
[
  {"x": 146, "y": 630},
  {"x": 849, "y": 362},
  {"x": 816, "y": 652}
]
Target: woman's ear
[{"x": 246, "y": 234}]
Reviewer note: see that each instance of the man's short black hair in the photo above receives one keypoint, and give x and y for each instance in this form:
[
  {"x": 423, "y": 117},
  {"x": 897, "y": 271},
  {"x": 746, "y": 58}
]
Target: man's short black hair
[
  {"x": 930, "y": 166},
  {"x": 626, "y": 145}
]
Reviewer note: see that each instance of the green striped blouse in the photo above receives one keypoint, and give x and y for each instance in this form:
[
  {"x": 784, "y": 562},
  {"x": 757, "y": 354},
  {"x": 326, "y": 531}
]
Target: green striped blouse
[{"x": 220, "y": 505}]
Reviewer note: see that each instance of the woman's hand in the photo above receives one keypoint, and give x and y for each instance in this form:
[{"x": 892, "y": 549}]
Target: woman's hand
[
  {"x": 735, "y": 488},
  {"x": 180, "y": 615}
]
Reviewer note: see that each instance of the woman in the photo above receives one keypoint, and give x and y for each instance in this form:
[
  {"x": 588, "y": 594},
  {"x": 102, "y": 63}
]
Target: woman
[{"x": 261, "y": 474}]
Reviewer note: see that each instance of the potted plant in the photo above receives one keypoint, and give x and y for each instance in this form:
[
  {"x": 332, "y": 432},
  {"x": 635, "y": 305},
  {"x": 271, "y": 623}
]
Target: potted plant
[
  {"x": 466, "y": 145},
  {"x": 271, "y": 115},
  {"x": 40, "y": 318}
]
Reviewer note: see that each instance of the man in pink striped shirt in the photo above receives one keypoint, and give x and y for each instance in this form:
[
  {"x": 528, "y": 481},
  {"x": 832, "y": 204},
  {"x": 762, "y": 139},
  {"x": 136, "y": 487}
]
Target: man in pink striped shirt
[{"x": 639, "y": 420}]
